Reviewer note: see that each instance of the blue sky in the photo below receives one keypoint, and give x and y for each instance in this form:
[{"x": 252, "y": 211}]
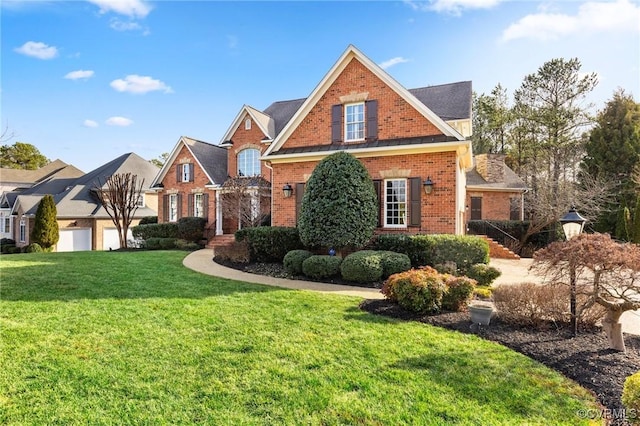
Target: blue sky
[{"x": 87, "y": 81}]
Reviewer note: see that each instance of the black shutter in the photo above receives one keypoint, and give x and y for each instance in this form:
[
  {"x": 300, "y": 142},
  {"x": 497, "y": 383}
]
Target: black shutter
[
  {"x": 179, "y": 204},
  {"x": 205, "y": 205},
  {"x": 476, "y": 208},
  {"x": 415, "y": 195},
  {"x": 377, "y": 185},
  {"x": 178, "y": 172},
  {"x": 299, "y": 194},
  {"x": 336, "y": 123},
  {"x": 191, "y": 198},
  {"x": 371, "y": 109},
  {"x": 165, "y": 208},
  {"x": 191, "y": 169}
]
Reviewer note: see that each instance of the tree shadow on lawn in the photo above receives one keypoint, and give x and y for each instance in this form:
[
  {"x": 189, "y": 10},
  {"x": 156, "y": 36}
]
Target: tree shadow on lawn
[{"x": 54, "y": 276}]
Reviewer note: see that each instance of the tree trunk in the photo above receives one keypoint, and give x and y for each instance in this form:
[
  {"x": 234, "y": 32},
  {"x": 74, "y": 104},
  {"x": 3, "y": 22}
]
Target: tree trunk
[{"x": 613, "y": 328}]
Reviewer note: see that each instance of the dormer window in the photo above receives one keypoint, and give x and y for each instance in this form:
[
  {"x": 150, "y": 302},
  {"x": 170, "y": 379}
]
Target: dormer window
[
  {"x": 249, "y": 162},
  {"x": 354, "y": 122},
  {"x": 247, "y": 124}
]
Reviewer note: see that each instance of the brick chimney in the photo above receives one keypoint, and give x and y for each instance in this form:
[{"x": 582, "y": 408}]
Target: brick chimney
[{"x": 491, "y": 167}]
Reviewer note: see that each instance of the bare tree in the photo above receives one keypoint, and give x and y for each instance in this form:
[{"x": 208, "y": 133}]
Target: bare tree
[
  {"x": 609, "y": 270},
  {"x": 247, "y": 199},
  {"x": 119, "y": 196}
]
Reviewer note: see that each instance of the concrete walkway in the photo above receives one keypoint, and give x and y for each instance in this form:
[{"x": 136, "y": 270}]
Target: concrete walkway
[{"x": 513, "y": 271}]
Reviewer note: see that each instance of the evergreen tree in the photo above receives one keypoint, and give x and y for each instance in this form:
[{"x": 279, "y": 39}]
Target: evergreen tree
[
  {"x": 339, "y": 208},
  {"x": 635, "y": 231},
  {"x": 622, "y": 224},
  {"x": 21, "y": 155},
  {"x": 45, "y": 228}
]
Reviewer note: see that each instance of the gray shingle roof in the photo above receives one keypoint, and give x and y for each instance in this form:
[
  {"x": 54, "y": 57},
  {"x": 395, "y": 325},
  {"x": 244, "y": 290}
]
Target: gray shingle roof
[
  {"x": 511, "y": 180},
  {"x": 212, "y": 157},
  {"x": 282, "y": 111},
  {"x": 54, "y": 168}
]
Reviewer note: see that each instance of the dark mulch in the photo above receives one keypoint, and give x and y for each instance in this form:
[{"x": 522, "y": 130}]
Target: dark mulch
[{"x": 584, "y": 358}]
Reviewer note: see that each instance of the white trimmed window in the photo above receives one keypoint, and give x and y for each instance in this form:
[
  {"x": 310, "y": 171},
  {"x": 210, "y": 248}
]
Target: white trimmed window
[
  {"x": 140, "y": 200},
  {"x": 5, "y": 223},
  {"x": 186, "y": 173},
  {"x": 23, "y": 230},
  {"x": 198, "y": 205},
  {"x": 354, "y": 122},
  {"x": 395, "y": 205},
  {"x": 247, "y": 124},
  {"x": 249, "y": 162},
  {"x": 173, "y": 207}
]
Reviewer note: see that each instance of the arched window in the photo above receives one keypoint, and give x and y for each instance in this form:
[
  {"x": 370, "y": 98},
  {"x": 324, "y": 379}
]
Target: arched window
[{"x": 249, "y": 162}]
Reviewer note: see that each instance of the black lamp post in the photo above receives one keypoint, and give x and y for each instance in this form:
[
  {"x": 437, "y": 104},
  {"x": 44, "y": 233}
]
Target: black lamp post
[
  {"x": 428, "y": 185},
  {"x": 572, "y": 225},
  {"x": 287, "y": 190}
]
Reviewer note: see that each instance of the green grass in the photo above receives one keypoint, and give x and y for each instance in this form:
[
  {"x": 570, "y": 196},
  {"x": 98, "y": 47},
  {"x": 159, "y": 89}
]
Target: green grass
[{"x": 136, "y": 338}]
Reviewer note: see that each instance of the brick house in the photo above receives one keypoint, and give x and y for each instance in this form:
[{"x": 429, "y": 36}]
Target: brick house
[{"x": 414, "y": 143}]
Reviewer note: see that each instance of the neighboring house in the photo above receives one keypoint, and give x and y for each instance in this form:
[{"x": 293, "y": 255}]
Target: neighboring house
[
  {"x": 494, "y": 191},
  {"x": 12, "y": 181},
  {"x": 414, "y": 143},
  {"x": 84, "y": 223}
]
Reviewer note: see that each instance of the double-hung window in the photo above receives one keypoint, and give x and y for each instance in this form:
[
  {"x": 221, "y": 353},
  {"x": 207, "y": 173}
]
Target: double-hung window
[
  {"x": 354, "y": 122},
  {"x": 395, "y": 205},
  {"x": 173, "y": 207},
  {"x": 186, "y": 173},
  {"x": 23, "y": 230},
  {"x": 140, "y": 200},
  {"x": 198, "y": 205},
  {"x": 249, "y": 162},
  {"x": 5, "y": 224}
]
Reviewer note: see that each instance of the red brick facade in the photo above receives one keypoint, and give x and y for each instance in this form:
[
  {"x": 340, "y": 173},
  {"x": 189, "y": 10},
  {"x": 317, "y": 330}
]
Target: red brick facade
[{"x": 495, "y": 205}]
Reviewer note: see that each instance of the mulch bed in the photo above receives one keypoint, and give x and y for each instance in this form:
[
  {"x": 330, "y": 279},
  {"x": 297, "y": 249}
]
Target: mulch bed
[{"x": 584, "y": 358}]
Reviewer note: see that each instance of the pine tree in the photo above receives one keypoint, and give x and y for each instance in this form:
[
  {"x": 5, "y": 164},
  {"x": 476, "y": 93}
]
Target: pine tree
[
  {"x": 45, "y": 230},
  {"x": 622, "y": 224},
  {"x": 635, "y": 231}
]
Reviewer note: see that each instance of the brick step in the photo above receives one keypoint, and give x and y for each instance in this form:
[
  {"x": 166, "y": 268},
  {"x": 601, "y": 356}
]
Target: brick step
[{"x": 498, "y": 251}]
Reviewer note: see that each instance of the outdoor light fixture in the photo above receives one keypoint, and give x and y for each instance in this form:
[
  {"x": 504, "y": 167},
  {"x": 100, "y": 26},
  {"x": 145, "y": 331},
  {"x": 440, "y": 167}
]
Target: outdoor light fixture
[
  {"x": 572, "y": 223},
  {"x": 287, "y": 190},
  {"x": 428, "y": 185}
]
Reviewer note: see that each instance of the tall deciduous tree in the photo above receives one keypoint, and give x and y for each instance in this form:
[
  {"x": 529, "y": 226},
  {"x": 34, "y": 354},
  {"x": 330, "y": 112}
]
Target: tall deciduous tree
[
  {"x": 613, "y": 151},
  {"x": 45, "y": 230},
  {"x": 119, "y": 196},
  {"x": 21, "y": 155},
  {"x": 339, "y": 208}
]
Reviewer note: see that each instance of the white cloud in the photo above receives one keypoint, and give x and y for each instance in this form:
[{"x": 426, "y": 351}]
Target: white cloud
[
  {"x": 90, "y": 123},
  {"x": 591, "y": 17},
  {"x": 38, "y": 50},
  {"x": 130, "y": 8},
  {"x": 78, "y": 75},
  {"x": 393, "y": 61},
  {"x": 119, "y": 121},
  {"x": 454, "y": 7},
  {"x": 120, "y": 25},
  {"x": 138, "y": 84}
]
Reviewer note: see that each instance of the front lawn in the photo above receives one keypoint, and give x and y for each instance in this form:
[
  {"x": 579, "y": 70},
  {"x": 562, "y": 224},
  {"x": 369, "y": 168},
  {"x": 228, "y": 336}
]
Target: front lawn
[{"x": 136, "y": 338}]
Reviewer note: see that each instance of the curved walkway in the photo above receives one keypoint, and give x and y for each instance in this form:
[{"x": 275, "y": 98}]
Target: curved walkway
[{"x": 513, "y": 271}]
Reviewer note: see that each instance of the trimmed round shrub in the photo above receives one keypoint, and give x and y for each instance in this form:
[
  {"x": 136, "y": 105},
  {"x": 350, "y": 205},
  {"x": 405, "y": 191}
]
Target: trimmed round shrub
[
  {"x": 6, "y": 244},
  {"x": 292, "y": 261},
  {"x": 187, "y": 245},
  {"x": 631, "y": 394},
  {"x": 168, "y": 243},
  {"x": 458, "y": 294},
  {"x": 483, "y": 292},
  {"x": 484, "y": 274},
  {"x": 464, "y": 250},
  {"x": 191, "y": 228},
  {"x": 362, "y": 267},
  {"x": 339, "y": 207},
  {"x": 148, "y": 219},
  {"x": 321, "y": 266},
  {"x": 393, "y": 263},
  {"x": 34, "y": 248},
  {"x": 418, "y": 290}
]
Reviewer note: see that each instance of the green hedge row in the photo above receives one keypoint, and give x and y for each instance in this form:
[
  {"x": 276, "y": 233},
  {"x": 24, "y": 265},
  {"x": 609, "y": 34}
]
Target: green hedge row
[{"x": 269, "y": 243}]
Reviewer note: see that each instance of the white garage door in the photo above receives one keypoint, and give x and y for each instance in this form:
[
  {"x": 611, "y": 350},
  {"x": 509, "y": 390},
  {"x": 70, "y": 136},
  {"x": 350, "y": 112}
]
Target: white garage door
[
  {"x": 77, "y": 239},
  {"x": 110, "y": 239}
]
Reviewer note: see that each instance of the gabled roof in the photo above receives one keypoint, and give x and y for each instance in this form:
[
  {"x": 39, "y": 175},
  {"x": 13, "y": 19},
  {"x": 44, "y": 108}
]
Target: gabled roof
[
  {"x": 212, "y": 159},
  {"x": 264, "y": 122},
  {"x": 76, "y": 197},
  {"x": 450, "y": 101},
  {"x": 512, "y": 181},
  {"x": 282, "y": 111},
  {"x": 352, "y": 53},
  {"x": 54, "y": 168}
]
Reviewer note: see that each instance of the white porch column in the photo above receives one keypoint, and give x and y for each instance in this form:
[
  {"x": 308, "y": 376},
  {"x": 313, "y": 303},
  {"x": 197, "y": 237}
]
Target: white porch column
[{"x": 218, "y": 214}]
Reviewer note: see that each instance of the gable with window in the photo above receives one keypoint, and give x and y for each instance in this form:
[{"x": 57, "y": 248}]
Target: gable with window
[
  {"x": 249, "y": 162},
  {"x": 354, "y": 122}
]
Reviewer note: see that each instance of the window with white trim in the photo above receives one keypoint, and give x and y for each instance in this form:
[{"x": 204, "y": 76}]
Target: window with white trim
[
  {"x": 354, "y": 122},
  {"x": 249, "y": 162},
  {"x": 186, "y": 172},
  {"x": 23, "y": 230},
  {"x": 173, "y": 207},
  {"x": 395, "y": 205},
  {"x": 5, "y": 223},
  {"x": 247, "y": 124},
  {"x": 140, "y": 200},
  {"x": 198, "y": 205}
]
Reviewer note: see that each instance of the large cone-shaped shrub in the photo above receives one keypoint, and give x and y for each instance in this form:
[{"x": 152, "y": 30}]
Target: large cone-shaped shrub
[
  {"x": 45, "y": 228},
  {"x": 339, "y": 207}
]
